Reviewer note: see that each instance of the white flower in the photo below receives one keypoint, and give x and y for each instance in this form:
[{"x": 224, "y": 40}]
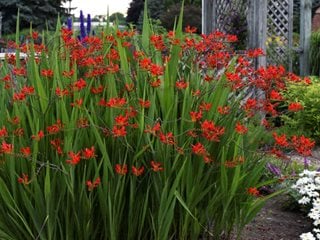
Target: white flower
[
  {"x": 304, "y": 200},
  {"x": 316, "y": 223},
  {"x": 307, "y": 236},
  {"x": 314, "y": 214}
]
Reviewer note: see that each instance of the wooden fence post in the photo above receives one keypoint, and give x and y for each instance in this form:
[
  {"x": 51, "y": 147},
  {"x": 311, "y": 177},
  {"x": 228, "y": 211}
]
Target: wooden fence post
[
  {"x": 257, "y": 27},
  {"x": 209, "y": 16},
  {"x": 305, "y": 35},
  {"x": 0, "y": 24}
]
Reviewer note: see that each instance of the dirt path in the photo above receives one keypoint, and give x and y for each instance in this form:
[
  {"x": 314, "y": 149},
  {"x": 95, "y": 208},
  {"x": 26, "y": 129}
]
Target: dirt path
[{"x": 276, "y": 222}]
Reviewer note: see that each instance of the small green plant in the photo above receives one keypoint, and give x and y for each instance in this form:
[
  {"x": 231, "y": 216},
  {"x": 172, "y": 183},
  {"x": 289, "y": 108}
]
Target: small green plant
[{"x": 308, "y": 120}]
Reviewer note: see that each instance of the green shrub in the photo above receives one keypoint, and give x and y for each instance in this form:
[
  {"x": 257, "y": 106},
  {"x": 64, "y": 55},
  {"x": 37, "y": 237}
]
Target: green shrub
[{"x": 307, "y": 121}]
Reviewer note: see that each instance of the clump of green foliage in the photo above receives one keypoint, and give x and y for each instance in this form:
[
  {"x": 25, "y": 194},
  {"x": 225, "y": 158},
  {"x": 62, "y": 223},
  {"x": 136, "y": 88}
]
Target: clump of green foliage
[{"x": 308, "y": 120}]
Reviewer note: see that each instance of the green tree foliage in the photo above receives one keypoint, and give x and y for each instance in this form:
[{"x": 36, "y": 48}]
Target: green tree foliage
[
  {"x": 37, "y": 12},
  {"x": 191, "y": 16},
  {"x": 117, "y": 16},
  {"x": 134, "y": 11}
]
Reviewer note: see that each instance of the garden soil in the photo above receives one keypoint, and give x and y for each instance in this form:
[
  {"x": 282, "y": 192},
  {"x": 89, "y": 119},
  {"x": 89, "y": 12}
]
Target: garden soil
[{"x": 278, "y": 221}]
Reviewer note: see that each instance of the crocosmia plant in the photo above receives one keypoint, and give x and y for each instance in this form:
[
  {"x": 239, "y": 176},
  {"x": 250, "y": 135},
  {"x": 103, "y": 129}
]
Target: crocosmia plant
[{"x": 125, "y": 135}]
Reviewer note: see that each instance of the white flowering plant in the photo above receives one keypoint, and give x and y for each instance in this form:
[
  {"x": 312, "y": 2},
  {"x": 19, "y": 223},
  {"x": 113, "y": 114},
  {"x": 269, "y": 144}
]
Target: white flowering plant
[{"x": 308, "y": 186}]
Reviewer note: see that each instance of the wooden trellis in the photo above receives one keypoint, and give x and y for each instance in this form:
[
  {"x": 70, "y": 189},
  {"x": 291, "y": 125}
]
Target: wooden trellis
[
  {"x": 279, "y": 32},
  {"x": 267, "y": 20}
]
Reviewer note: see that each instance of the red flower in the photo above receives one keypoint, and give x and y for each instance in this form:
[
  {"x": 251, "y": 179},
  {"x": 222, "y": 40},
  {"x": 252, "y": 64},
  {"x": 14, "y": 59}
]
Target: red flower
[
  {"x": 121, "y": 120},
  {"x": 207, "y": 159},
  {"x": 80, "y": 84},
  {"x": 250, "y": 104},
  {"x": 89, "y": 153},
  {"x": 19, "y": 71},
  {"x": 137, "y": 171},
  {"x": 155, "y": 70},
  {"x": 55, "y": 128},
  {"x": 119, "y": 131},
  {"x": 181, "y": 84},
  {"x": 47, "y": 72},
  {"x": 224, "y": 110},
  {"x": 27, "y": 90},
  {"x": 74, "y": 158},
  {"x": 253, "y": 191},
  {"x": 275, "y": 95},
  {"x": 35, "y": 35},
  {"x": 156, "y": 166},
  {"x": 145, "y": 63},
  {"x": 39, "y": 135},
  {"x": 144, "y": 103},
  {"x": 303, "y": 145},
  {"x": 280, "y": 140},
  {"x": 205, "y": 106},
  {"x": 199, "y": 149},
  {"x": 19, "y": 96},
  {"x": 6, "y": 148},
  {"x": 155, "y": 83},
  {"x": 241, "y": 129},
  {"x": 167, "y": 138},
  {"x": 26, "y": 151},
  {"x": 195, "y": 116},
  {"x": 210, "y": 131},
  {"x": 116, "y": 102},
  {"x": 154, "y": 130},
  {"x": 121, "y": 169},
  {"x": 97, "y": 90},
  {"x": 3, "y": 132},
  {"x": 24, "y": 179},
  {"x": 189, "y": 29},
  {"x": 61, "y": 92},
  {"x": 295, "y": 107},
  {"x": 77, "y": 103},
  {"x": 93, "y": 185}
]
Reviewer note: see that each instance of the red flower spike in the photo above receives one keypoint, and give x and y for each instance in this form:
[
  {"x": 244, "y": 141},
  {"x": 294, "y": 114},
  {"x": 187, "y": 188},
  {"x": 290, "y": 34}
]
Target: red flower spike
[
  {"x": 74, "y": 158},
  {"x": 241, "y": 129},
  {"x": 121, "y": 169},
  {"x": 195, "y": 116},
  {"x": 80, "y": 84},
  {"x": 6, "y": 148},
  {"x": 199, "y": 149},
  {"x": 189, "y": 29},
  {"x": 47, "y": 73},
  {"x": 24, "y": 179},
  {"x": 137, "y": 171},
  {"x": 156, "y": 166},
  {"x": 295, "y": 107},
  {"x": 93, "y": 185},
  {"x": 38, "y": 136},
  {"x": 26, "y": 151},
  {"x": 205, "y": 106},
  {"x": 280, "y": 140},
  {"x": 211, "y": 132},
  {"x": 224, "y": 110},
  {"x": 253, "y": 191},
  {"x": 167, "y": 138},
  {"x": 116, "y": 102},
  {"x": 303, "y": 145},
  {"x": 181, "y": 84},
  {"x": 3, "y": 132},
  {"x": 88, "y": 153},
  {"x": 144, "y": 103},
  {"x": 61, "y": 92},
  {"x": 119, "y": 131}
]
